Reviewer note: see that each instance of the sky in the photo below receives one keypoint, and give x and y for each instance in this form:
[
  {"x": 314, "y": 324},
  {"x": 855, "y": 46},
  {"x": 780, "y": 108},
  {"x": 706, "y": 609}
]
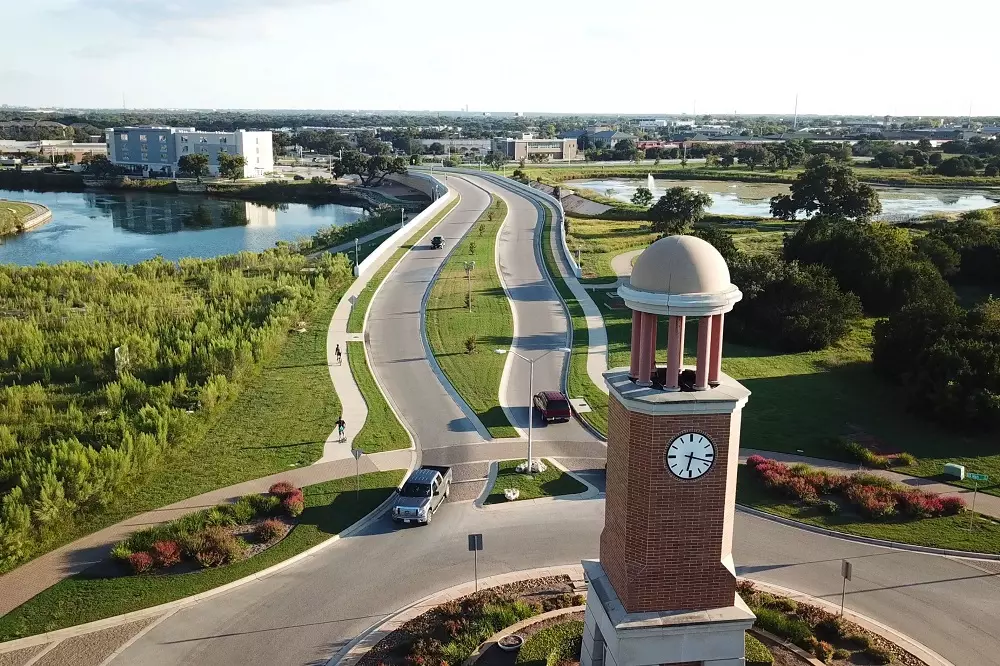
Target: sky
[{"x": 873, "y": 57}]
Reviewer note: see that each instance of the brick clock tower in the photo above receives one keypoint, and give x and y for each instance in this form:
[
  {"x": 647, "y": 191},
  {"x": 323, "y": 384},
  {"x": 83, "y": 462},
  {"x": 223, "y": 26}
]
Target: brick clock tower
[{"x": 664, "y": 590}]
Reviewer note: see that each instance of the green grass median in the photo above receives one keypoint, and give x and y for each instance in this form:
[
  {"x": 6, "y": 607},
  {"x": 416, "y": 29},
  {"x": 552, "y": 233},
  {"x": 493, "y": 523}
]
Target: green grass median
[
  {"x": 550, "y": 483},
  {"x": 356, "y": 322},
  {"x": 382, "y": 430},
  {"x": 464, "y": 340},
  {"x": 331, "y": 507}
]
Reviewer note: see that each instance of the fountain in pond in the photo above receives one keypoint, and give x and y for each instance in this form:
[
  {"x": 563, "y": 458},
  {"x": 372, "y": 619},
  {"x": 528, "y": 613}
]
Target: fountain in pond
[{"x": 650, "y": 183}]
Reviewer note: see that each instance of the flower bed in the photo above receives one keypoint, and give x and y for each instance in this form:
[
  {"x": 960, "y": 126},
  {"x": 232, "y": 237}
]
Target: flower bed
[
  {"x": 214, "y": 537},
  {"x": 448, "y": 634},
  {"x": 830, "y": 638},
  {"x": 558, "y": 645},
  {"x": 872, "y": 496}
]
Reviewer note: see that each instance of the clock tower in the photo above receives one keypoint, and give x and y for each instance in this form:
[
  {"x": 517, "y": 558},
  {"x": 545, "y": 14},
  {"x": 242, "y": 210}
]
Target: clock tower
[{"x": 664, "y": 589}]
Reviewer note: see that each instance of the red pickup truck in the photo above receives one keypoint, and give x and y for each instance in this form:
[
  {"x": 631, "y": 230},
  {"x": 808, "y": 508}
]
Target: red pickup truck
[{"x": 553, "y": 405}]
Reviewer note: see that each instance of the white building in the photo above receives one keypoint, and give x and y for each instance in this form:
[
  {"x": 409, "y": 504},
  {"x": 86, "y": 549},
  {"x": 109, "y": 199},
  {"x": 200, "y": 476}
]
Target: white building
[{"x": 155, "y": 151}]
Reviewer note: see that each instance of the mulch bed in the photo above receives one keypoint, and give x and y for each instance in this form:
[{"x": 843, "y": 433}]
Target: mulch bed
[
  {"x": 393, "y": 647},
  {"x": 494, "y": 656}
]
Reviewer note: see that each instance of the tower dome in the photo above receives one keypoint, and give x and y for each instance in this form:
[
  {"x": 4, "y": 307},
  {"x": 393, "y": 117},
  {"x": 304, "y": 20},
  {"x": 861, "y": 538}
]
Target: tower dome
[{"x": 680, "y": 265}]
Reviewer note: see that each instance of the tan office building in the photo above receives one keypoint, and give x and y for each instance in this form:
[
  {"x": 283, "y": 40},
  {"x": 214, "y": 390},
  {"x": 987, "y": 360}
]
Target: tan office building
[{"x": 554, "y": 149}]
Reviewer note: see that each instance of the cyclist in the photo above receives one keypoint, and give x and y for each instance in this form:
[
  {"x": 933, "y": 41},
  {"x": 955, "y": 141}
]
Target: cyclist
[
  {"x": 341, "y": 428},
  {"x": 337, "y": 352}
]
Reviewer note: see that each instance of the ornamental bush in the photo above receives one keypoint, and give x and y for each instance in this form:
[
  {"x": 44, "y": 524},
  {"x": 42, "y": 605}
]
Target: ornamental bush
[
  {"x": 166, "y": 553},
  {"x": 141, "y": 562},
  {"x": 756, "y": 653},
  {"x": 293, "y": 506},
  {"x": 282, "y": 488},
  {"x": 823, "y": 651},
  {"x": 872, "y": 501},
  {"x": 878, "y": 655},
  {"x": 215, "y": 546},
  {"x": 269, "y": 530}
]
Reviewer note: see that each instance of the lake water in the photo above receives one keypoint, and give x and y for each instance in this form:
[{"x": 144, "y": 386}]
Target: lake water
[
  {"x": 736, "y": 198},
  {"x": 129, "y": 227}
]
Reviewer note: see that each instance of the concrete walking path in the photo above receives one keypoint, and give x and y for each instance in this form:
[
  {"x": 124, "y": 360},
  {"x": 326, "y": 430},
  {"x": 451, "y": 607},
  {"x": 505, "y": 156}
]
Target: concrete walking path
[{"x": 622, "y": 264}]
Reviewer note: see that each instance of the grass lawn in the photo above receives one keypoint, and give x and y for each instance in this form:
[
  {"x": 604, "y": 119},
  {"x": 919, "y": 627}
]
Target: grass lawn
[
  {"x": 356, "y": 322},
  {"x": 578, "y": 383},
  {"x": 475, "y": 375},
  {"x": 12, "y": 214},
  {"x": 600, "y": 241},
  {"x": 558, "y": 643},
  {"x": 382, "y": 430},
  {"x": 943, "y": 532},
  {"x": 331, "y": 507},
  {"x": 550, "y": 483}
]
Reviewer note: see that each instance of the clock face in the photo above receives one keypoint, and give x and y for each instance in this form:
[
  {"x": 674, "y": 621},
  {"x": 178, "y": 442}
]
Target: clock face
[{"x": 690, "y": 455}]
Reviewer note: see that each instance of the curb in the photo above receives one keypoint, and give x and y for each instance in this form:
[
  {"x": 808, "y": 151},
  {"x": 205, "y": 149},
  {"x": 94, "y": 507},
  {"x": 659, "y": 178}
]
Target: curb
[
  {"x": 917, "y": 649},
  {"x": 590, "y": 493},
  {"x": 351, "y": 654},
  {"x": 179, "y": 604},
  {"x": 429, "y": 353},
  {"x": 882, "y": 543}
]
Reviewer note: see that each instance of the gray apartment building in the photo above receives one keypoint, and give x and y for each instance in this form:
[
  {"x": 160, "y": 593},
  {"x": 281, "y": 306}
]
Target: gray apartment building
[{"x": 155, "y": 151}]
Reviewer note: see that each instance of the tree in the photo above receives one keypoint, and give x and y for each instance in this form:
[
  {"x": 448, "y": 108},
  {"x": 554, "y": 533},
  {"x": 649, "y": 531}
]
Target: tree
[
  {"x": 495, "y": 159},
  {"x": 642, "y": 197},
  {"x": 371, "y": 169},
  {"x": 828, "y": 188},
  {"x": 538, "y": 158},
  {"x": 677, "y": 209},
  {"x": 436, "y": 148},
  {"x": 720, "y": 240},
  {"x": 99, "y": 166},
  {"x": 935, "y": 158},
  {"x": 193, "y": 166},
  {"x": 752, "y": 156},
  {"x": 963, "y": 165},
  {"x": 624, "y": 150},
  {"x": 416, "y": 159},
  {"x": 231, "y": 166},
  {"x": 924, "y": 146}
]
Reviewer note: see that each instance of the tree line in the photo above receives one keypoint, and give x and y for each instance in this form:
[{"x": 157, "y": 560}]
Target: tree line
[{"x": 104, "y": 368}]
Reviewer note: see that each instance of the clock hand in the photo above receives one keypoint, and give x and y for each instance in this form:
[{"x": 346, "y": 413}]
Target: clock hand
[
  {"x": 690, "y": 458},
  {"x": 693, "y": 457}
]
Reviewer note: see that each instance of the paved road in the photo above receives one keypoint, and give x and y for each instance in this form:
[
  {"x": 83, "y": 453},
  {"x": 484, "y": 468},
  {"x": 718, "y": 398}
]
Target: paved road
[
  {"x": 303, "y": 615},
  {"x": 394, "y": 326}
]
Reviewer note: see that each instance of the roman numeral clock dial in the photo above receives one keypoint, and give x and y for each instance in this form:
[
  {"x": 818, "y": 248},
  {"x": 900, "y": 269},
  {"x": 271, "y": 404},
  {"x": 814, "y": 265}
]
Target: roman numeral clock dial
[{"x": 690, "y": 455}]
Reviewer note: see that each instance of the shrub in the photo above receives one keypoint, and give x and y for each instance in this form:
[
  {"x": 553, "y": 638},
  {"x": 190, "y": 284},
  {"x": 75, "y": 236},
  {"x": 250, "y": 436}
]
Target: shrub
[
  {"x": 214, "y": 546},
  {"x": 269, "y": 530},
  {"x": 823, "y": 651},
  {"x": 906, "y": 459},
  {"x": 263, "y": 504},
  {"x": 745, "y": 588},
  {"x": 241, "y": 511},
  {"x": 865, "y": 455},
  {"x": 217, "y": 516},
  {"x": 829, "y": 507},
  {"x": 860, "y": 640},
  {"x": 141, "y": 562},
  {"x": 832, "y": 628},
  {"x": 293, "y": 506},
  {"x": 752, "y": 462},
  {"x": 785, "y": 604},
  {"x": 872, "y": 501},
  {"x": 281, "y": 488},
  {"x": 756, "y": 653},
  {"x": 166, "y": 553},
  {"x": 952, "y": 504},
  {"x": 470, "y": 344},
  {"x": 841, "y": 654},
  {"x": 778, "y": 623},
  {"x": 878, "y": 655},
  {"x": 918, "y": 504},
  {"x": 121, "y": 552},
  {"x": 869, "y": 479}
]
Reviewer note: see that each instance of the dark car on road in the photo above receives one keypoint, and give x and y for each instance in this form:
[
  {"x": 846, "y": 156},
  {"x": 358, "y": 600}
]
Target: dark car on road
[
  {"x": 553, "y": 406},
  {"x": 437, "y": 242}
]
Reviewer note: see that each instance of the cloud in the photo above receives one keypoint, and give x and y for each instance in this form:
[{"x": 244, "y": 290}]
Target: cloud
[{"x": 151, "y": 12}]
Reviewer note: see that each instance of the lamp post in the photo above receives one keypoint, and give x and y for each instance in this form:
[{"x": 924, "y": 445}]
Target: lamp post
[
  {"x": 469, "y": 265},
  {"x": 531, "y": 389},
  {"x": 402, "y": 217},
  {"x": 357, "y": 251}
]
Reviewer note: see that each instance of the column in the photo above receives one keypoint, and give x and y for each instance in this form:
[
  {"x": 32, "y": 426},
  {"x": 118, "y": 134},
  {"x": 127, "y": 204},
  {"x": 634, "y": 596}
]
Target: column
[
  {"x": 675, "y": 351},
  {"x": 633, "y": 368},
  {"x": 704, "y": 343},
  {"x": 649, "y": 331},
  {"x": 644, "y": 351},
  {"x": 715, "y": 360}
]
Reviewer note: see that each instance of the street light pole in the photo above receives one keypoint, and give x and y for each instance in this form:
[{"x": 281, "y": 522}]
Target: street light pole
[{"x": 357, "y": 251}]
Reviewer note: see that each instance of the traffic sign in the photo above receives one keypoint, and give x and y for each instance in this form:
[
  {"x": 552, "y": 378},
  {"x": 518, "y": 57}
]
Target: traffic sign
[
  {"x": 475, "y": 542},
  {"x": 845, "y": 570},
  {"x": 977, "y": 477}
]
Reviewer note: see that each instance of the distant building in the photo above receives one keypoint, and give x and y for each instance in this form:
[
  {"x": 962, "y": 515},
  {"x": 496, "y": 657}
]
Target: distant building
[
  {"x": 527, "y": 145},
  {"x": 156, "y": 150},
  {"x": 650, "y": 123},
  {"x": 608, "y": 138},
  {"x": 49, "y": 147},
  {"x": 460, "y": 145}
]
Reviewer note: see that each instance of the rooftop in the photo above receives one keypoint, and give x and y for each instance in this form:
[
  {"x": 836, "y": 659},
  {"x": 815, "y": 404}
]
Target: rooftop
[{"x": 650, "y": 400}]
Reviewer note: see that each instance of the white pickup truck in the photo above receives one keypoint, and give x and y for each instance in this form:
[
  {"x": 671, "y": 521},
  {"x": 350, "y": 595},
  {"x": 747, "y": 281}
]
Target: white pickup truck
[{"x": 422, "y": 494}]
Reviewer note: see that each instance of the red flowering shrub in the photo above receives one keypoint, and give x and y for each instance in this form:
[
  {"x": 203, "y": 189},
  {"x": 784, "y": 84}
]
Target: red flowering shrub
[
  {"x": 872, "y": 501},
  {"x": 141, "y": 562},
  {"x": 293, "y": 507},
  {"x": 166, "y": 553},
  {"x": 295, "y": 496},
  {"x": 951, "y": 505},
  {"x": 918, "y": 504},
  {"x": 799, "y": 488},
  {"x": 282, "y": 488},
  {"x": 755, "y": 460}
]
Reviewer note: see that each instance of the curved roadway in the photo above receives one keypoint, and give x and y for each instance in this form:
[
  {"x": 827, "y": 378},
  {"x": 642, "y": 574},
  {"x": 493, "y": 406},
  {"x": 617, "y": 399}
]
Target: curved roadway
[{"x": 305, "y": 613}]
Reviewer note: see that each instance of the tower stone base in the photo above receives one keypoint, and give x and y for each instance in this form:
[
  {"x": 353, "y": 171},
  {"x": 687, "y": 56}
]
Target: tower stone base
[{"x": 613, "y": 637}]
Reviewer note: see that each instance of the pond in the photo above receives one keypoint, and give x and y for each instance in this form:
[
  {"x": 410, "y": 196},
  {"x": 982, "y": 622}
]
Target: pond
[
  {"x": 129, "y": 227},
  {"x": 754, "y": 199}
]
